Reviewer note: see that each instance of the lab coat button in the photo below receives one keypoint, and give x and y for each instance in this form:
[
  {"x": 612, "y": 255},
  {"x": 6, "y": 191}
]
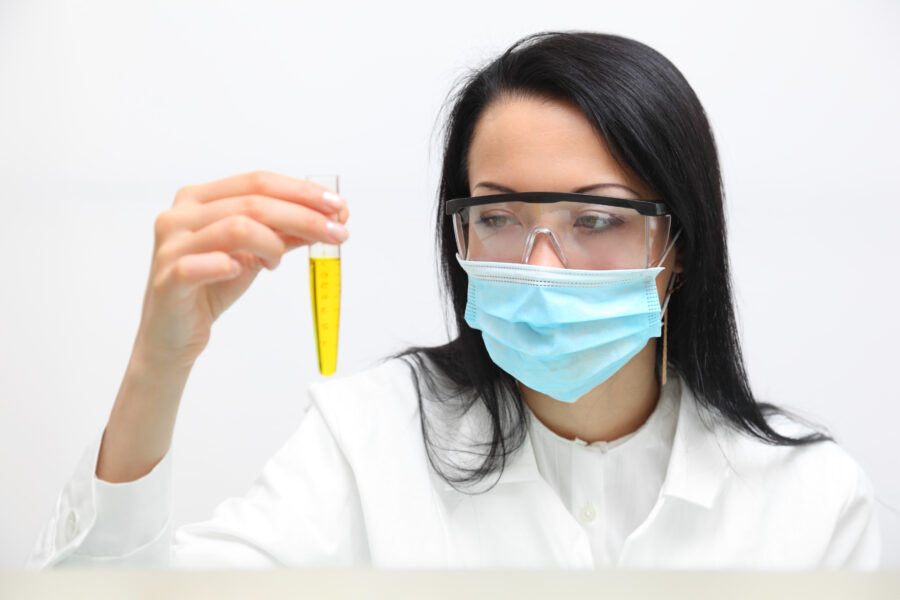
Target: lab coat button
[
  {"x": 588, "y": 513},
  {"x": 71, "y": 525}
]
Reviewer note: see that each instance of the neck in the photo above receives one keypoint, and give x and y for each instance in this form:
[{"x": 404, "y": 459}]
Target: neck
[{"x": 616, "y": 407}]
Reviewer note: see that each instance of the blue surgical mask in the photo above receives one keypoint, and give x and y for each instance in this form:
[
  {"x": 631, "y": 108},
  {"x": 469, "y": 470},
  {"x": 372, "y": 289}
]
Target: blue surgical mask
[{"x": 561, "y": 332}]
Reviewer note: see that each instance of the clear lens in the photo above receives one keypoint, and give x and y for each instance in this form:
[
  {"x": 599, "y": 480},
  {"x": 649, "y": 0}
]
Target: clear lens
[{"x": 588, "y": 236}]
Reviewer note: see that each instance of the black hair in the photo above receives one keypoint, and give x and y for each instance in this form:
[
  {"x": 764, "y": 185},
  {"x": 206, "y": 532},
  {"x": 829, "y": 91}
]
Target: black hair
[{"x": 653, "y": 123}]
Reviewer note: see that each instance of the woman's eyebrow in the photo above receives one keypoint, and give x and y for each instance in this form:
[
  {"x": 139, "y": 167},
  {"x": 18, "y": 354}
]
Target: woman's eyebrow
[
  {"x": 494, "y": 186},
  {"x": 588, "y": 188},
  {"x": 596, "y": 186}
]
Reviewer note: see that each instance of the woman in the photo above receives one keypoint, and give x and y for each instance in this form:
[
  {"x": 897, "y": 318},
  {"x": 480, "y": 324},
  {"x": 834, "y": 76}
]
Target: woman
[{"x": 593, "y": 409}]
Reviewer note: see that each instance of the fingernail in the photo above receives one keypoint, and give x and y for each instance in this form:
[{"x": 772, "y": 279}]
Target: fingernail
[
  {"x": 337, "y": 231},
  {"x": 333, "y": 199}
]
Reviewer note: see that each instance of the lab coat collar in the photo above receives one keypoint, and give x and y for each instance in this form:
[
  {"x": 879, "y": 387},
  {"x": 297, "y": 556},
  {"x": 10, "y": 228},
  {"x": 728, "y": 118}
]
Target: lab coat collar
[
  {"x": 520, "y": 467},
  {"x": 697, "y": 468}
]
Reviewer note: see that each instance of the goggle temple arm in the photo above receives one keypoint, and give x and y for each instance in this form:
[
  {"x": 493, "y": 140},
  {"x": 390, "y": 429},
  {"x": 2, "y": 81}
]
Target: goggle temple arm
[
  {"x": 672, "y": 277},
  {"x": 669, "y": 248}
]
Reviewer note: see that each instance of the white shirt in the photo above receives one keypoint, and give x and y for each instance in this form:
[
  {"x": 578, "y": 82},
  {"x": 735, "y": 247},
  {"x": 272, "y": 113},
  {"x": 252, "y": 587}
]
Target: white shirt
[
  {"x": 609, "y": 487},
  {"x": 353, "y": 487}
]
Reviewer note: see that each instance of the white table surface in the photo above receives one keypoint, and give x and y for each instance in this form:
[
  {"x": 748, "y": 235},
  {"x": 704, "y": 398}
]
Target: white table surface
[{"x": 372, "y": 583}]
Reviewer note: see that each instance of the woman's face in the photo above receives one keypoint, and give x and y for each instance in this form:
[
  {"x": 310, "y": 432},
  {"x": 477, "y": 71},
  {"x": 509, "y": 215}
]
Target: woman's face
[{"x": 527, "y": 144}]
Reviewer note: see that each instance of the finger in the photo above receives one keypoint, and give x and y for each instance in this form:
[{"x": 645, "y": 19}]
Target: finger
[
  {"x": 193, "y": 270},
  {"x": 291, "y": 242},
  {"x": 229, "y": 235},
  {"x": 264, "y": 183},
  {"x": 343, "y": 215},
  {"x": 283, "y": 217}
]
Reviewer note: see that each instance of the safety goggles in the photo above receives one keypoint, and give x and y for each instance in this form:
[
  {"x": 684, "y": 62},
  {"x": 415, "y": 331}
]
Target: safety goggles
[{"x": 585, "y": 231}]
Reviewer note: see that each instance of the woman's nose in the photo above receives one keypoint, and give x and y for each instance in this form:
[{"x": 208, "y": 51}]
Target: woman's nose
[{"x": 544, "y": 254}]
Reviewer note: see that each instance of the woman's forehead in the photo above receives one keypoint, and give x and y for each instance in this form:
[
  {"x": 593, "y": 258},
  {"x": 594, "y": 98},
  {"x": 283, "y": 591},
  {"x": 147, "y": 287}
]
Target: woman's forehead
[{"x": 529, "y": 143}]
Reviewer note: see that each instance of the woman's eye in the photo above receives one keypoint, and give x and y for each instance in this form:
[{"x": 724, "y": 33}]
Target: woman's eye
[
  {"x": 496, "y": 221},
  {"x": 597, "y": 221}
]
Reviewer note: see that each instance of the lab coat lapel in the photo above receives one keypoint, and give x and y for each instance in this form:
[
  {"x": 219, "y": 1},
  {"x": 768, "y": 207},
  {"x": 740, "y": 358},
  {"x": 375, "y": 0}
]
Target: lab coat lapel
[
  {"x": 698, "y": 465},
  {"x": 514, "y": 520},
  {"x": 697, "y": 471}
]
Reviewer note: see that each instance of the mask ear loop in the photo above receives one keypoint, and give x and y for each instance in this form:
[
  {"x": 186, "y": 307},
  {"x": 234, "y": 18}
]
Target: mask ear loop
[
  {"x": 665, "y": 320},
  {"x": 670, "y": 289}
]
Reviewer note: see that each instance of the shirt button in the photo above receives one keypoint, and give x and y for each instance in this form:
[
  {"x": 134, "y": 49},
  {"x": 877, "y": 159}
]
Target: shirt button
[
  {"x": 71, "y": 525},
  {"x": 588, "y": 514}
]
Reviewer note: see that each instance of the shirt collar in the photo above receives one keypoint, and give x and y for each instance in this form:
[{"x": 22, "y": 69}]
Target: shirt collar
[{"x": 697, "y": 466}]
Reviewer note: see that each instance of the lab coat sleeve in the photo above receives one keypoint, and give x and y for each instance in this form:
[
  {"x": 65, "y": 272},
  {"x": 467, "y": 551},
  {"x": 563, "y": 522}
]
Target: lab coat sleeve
[
  {"x": 302, "y": 510},
  {"x": 97, "y": 523},
  {"x": 856, "y": 541}
]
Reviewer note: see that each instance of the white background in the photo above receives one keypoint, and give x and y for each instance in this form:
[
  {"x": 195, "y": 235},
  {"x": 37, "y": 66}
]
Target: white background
[{"x": 107, "y": 108}]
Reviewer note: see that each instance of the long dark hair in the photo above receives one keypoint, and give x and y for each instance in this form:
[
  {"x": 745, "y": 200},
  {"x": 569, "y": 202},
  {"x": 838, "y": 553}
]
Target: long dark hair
[{"x": 652, "y": 122}]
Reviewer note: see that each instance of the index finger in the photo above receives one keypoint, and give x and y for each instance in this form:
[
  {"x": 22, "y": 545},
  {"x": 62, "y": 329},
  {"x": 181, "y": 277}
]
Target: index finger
[{"x": 265, "y": 183}]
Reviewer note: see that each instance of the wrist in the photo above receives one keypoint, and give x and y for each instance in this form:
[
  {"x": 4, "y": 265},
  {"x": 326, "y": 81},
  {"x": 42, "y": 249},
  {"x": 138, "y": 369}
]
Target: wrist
[{"x": 145, "y": 361}]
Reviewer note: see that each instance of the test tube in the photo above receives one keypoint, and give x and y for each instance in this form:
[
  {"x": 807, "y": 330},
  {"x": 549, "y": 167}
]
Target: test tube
[{"x": 325, "y": 291}]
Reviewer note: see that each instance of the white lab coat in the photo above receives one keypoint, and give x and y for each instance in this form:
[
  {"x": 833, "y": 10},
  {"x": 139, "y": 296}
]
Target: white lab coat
[{"x": 353, "y": 487}]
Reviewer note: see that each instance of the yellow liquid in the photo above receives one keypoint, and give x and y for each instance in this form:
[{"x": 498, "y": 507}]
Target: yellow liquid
[{"x": 325, "y": 288}]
